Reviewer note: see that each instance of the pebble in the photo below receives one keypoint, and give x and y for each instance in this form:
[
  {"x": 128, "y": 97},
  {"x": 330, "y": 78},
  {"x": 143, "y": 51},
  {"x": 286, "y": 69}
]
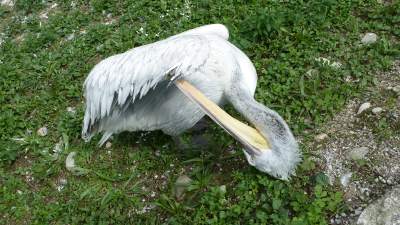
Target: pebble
[
  {"x": 396, "y": 89},
  {"x": 345, "y": 179},
  {"x": 71, "y": 37},
  {"x": 181, "y": 184},
  {"x": 358, "y": 153},
  {"x": 363, "y": 107},
  {"x": 70, "y": 161},
  {"x": 9, "y": 3},
  {"x": 320, "y": 137},
  {"x": 42, "y": 131},
  {"x": 377, "y": 110},
  {"x": 71, "y": 110},
  {"x": 222, "y": 188},
  {"x": 369, "y": 38}
]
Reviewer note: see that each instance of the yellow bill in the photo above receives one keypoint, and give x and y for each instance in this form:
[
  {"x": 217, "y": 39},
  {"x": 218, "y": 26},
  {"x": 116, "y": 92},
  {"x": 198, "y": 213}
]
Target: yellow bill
[{"x": 248, "y": 136}]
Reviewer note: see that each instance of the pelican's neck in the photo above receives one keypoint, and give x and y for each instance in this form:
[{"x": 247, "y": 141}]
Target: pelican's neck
[
  {"x": 265, "y": 120},
  {"x": 284, "y": 155}
]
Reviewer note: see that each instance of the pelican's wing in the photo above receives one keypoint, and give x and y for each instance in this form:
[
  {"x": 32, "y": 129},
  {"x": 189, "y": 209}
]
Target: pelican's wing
[
  {"x": 122, "y": 78},
  {"x": 212, "y": 29}
]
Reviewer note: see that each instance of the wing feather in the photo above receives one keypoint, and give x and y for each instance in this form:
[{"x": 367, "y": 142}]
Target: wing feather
[{"x": 132, "y": 74}]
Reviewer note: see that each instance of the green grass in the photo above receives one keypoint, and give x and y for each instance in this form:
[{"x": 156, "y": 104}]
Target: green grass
[{"x": 41, "y": 74}]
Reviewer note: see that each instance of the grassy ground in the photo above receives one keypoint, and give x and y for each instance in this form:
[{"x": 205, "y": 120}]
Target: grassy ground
[{"x": 48, "y": 48}]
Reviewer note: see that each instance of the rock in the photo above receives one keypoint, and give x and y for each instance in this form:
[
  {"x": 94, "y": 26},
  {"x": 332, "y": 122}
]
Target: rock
[
  {"x": 9, "y": 3},
  {"x": 181, "y": 184},
  {"x": 385, "y": 210},
  {"x": 70, "y": 161},
  {"x": 396, "y": 89},
  {"x": 320, "y": 137},
  {"x": 71, "y": 110},
  {"x": 358, "y": 153},
  {"x": 108, "y": 144},
  {"x": 42, "y": 131},
  {"x": 70, "y": 165},
  {"x": 363, "y": 107},
  {"x": 345, "y": 179},
  {"x": 377, "y": 110},
  {"x": 71, "y": 37},
  {"x": 222, "y": 188},
  {"x": 369, "y": 38}
]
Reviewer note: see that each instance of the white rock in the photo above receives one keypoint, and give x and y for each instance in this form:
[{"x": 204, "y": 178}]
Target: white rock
[
  {"x": 9, "y": 3},
  {"x": 108, "y": 144},
  {"x": 345, "y": 179},
  {"x": 358, "y": 153},
  {"x": 42, "y": 131},
  {"x": 181, "y": 184},
  {"x": 70, "y": 37},
  {"x": 396, "y": 89},
  {"x": 71, "y": 110},
  {"x": 385, "y": 210},
  {"x": 53, "y": 6},
  {"x": 320, "y": 137},
  {"x": 222, "y": 188},
  {"x": 70, "y": 162},
  {"x": 377, "y": 110},
  {"x": 43, "y": 16},
  {"x": 369, "y": 38},
  {"x": 363, "y": 107}
]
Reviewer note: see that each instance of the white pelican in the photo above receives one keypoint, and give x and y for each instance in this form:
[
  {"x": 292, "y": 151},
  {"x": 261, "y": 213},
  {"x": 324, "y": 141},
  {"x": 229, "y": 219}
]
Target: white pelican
[{"x": 171, "y": 84}]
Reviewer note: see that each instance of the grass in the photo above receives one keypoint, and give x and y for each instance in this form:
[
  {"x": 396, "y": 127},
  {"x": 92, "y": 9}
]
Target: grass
[{"x": 46, "y": 53}]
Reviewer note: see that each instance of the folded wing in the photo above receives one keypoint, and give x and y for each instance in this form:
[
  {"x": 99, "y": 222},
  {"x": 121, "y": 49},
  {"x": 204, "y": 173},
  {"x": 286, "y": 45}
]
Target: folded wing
[{"x": 121, "y": 79}]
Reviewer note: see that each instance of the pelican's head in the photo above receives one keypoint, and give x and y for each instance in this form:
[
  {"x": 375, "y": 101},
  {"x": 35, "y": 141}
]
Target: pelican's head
[
  {"x": 271, "y": 148},
  {"x": 277, "y": 161}
]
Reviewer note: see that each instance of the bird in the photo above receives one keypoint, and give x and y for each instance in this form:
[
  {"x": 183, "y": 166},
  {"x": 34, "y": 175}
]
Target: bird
[{"x": 171, "y": 84}]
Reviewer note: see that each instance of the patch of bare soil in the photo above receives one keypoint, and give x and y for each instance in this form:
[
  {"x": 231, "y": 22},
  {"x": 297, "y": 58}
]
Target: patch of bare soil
[{"x": 360, "y": 152}]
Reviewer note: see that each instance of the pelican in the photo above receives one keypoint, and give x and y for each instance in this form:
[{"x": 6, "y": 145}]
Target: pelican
[{"x": 171, "y": 84}]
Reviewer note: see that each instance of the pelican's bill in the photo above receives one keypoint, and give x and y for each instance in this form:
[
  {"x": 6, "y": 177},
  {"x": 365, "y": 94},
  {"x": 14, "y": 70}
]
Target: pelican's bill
[{"x": 248, "y": 136}]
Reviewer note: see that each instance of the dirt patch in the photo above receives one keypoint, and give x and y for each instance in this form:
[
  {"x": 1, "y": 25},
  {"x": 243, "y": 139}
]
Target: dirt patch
[{"x": 361, "y": 153}]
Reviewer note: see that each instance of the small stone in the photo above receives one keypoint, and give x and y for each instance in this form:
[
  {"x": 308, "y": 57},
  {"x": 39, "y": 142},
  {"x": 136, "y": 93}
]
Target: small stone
[
  {"x": 222, "y": 188},
  {"x": 181, "y": 184},
  {"x": 345, "y": 179},
  {"x": 9, "y": 3},
  {"x": 71, "y": 110},
  {"x": 70, "y": 161},
  {"x": 108, "y": 144},
  {"x": 377, "y": 110},
  {"x": 358, "y": 153},
  {"x": 42, "y": 131},
  {"x": 71, "y": 37},
  {"x": 320, "y": 137},
  {"x": 363, "y": 107},
  {"x": 369, "y": 38},
  {"x": 396, "y": 89}
]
